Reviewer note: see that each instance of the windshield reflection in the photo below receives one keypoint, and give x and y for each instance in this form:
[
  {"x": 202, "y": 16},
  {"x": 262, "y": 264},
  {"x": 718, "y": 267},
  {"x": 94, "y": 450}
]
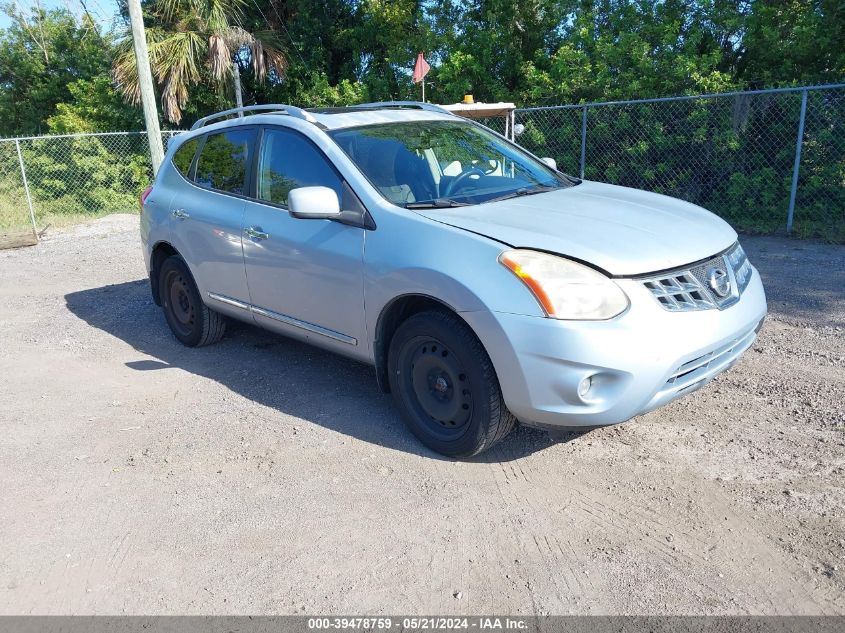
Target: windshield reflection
[{"x": 441, "y": 164}]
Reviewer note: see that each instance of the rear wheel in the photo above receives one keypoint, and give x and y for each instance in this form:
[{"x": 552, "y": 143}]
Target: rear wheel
[
  {"x": 192, "y": 322},
  {"x": 445, "y": 385}
]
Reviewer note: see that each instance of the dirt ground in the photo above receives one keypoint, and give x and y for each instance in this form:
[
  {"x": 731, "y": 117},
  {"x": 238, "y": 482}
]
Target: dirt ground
[{"x": 264, "y": 476}]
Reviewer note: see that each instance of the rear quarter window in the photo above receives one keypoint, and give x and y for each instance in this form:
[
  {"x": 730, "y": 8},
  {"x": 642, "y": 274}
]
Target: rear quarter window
[{"x": 184, "y": 156}]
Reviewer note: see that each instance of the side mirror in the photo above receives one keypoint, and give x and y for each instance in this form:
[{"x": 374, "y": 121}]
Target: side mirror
[
  {"x": 313, "y": 203},
  {"x": 551, "y": 162}
]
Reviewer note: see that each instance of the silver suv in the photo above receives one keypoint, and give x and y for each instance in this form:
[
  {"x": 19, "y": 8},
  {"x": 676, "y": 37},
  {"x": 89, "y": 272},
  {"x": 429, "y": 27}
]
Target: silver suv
[{"x": 485, "y": 286}]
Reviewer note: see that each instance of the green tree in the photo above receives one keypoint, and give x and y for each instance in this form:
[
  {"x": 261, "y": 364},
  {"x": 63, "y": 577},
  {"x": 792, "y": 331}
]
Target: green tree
[
  {"x": 344, "y": 51},
  {"x": 41, "y": 55},
  {"x": 629, "y": 50},
  {"x": 191, "y": 40},
  {"x": 94, "y": 105},
  {"x": 792, "y": 42},
  {"x": 486, "y": 44},
  {"x": 384, "y": 41}
]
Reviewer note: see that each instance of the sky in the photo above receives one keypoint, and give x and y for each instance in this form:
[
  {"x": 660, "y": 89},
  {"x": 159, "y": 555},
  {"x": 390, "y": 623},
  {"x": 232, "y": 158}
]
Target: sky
[{"x": 103, "y": 11}]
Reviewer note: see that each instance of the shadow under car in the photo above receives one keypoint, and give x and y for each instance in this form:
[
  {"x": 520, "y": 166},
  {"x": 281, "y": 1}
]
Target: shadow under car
[{"x": 278, "y": 372}]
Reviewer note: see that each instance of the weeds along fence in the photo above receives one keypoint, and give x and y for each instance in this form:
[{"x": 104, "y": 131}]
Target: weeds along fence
[
  {"x": 767, "y": 161},
  {"x": 66, "y": 178}
]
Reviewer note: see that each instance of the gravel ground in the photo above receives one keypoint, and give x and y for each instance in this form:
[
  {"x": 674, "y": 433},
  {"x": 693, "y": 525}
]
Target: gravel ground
[{"x": 264, "y": 476}]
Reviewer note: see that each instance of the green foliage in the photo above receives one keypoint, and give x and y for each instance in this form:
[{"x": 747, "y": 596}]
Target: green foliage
[
  {"x": 41, "y": 56},
  {"x": 820, "y": 202},
  {"x": 72, "y": 178},
  {"x": 14, "y": 213},
  {"x": 734, "y": 156},
  {"x": 114, "y": 169},
  {"x": 94, "y": 106},
  {"x": 194, "y": 42},
  {"x": 55, "y": 74},
  {"x": 533, "y": 52},
  {"x": 315, "y": 90},
  {"x": 792, "y": 42}
]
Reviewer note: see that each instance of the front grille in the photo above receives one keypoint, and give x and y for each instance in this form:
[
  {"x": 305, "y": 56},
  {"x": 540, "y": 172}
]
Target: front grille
[
  {"x": 691, "y": 372},
  {"x": 688, "y": 289}
]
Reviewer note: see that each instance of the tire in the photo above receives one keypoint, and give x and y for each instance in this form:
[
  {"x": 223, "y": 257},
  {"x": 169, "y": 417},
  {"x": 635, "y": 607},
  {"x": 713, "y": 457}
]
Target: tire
[
  {"x": 192, "y": 322},
  {"x": 445, "y": 385}
]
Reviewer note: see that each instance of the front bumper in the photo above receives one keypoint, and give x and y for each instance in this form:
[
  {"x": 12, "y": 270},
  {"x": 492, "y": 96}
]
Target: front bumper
[{"x": 636, "y": 362}]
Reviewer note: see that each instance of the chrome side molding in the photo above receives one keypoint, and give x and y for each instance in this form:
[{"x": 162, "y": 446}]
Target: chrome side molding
[
  {"x": 229, "y": 301},
  {"x": 284, "y": 318}
]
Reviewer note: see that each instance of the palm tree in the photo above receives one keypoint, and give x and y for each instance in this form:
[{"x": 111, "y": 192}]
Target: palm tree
[{"x": 185, "y": 35}]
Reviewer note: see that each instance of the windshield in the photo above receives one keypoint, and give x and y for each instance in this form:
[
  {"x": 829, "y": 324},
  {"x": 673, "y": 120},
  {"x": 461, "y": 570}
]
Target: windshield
[{"x": 419, "y": 164}]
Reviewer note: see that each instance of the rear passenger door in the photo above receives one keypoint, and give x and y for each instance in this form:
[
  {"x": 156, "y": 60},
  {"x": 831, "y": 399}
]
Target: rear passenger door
[
  {"x": 207, "y": 218},
  {"x": 305, "y": 276}
]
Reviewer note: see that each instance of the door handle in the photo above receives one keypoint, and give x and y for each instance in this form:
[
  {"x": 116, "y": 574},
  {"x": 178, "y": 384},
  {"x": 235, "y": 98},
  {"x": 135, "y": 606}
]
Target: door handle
[
  {"x": 180, "y": 214},
  {"x": 256, "y": 232}
]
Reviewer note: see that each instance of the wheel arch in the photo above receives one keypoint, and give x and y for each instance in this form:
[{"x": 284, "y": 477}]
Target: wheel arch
[
  {"x": 392, "y": 315},
  {"x": 161, "y": 251}
]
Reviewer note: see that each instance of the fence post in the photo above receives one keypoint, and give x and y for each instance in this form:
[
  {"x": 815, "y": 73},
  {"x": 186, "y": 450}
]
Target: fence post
[
  {"x": 798, "y": 143},
  {"x": 583, "y": 139},
  {"x": 26, "y": 187}
]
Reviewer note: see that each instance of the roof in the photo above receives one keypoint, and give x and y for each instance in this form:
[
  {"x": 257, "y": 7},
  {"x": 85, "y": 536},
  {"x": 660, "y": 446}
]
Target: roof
[{"x": 336, "y": 118}]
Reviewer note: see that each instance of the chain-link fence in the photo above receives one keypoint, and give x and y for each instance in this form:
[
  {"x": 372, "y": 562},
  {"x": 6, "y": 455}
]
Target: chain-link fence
[
  {"x": 14, "y": 207},
  {"x": 766, "y": 161},
  {"x": 67, "y": 178}
]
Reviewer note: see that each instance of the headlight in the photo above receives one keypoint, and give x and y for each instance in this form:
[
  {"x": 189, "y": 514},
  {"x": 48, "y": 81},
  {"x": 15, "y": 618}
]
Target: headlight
[
  {"x": 741, "y": 266},
  {"x": 566, "y": 289}
]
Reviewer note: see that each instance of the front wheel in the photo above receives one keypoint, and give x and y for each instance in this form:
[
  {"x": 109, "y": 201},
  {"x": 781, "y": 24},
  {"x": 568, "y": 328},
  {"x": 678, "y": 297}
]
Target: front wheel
[
  {"x": 192, "y": 322},
  {"x": 445, "y": 385}
]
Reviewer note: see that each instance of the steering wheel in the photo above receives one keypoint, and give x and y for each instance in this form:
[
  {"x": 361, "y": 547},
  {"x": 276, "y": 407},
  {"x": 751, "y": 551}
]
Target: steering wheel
[
  {"x": 470, "y": 171},
  {"x": 494, "y": 165}
]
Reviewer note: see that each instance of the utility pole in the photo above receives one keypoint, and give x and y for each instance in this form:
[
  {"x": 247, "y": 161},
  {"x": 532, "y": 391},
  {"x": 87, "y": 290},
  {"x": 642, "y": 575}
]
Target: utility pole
[
  {"x": 239, "y": 100},
  {"x": 145, "y": 82}
]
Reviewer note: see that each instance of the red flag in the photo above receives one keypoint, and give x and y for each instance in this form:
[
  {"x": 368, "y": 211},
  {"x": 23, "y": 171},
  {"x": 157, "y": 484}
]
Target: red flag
[{"x": 421, "y": 69}]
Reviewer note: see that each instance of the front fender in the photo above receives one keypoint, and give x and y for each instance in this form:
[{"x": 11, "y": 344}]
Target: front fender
[{"x": 411, "y": 255}]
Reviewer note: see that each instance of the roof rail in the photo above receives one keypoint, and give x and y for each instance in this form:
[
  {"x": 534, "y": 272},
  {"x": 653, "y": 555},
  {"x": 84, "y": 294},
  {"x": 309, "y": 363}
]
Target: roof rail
[
  {"x": 421, "y": 105},
  {"x": 290, "y": 110}
]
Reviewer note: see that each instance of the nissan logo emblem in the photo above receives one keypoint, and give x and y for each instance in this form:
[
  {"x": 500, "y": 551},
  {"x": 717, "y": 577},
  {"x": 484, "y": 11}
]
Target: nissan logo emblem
[{"x": 719, "y": 282}]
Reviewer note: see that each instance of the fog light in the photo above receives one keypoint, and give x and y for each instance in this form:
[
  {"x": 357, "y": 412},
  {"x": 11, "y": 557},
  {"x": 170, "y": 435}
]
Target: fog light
[{"x": 584, "y": 387}]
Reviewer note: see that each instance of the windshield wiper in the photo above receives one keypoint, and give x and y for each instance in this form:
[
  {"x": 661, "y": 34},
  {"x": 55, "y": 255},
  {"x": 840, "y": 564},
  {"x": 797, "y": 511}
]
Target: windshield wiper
[
  {"x": 446, "y": 203},
  {"x": 523, "y": 191},
  {"x": 437, "y": 203}
]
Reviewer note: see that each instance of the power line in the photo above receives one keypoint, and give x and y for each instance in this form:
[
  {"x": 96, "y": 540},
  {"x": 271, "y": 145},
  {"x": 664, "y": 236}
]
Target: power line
[{"x": 282, "y": 23}]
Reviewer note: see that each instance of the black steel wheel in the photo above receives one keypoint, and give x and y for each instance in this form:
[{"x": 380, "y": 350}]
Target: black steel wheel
[
  {"x": 442, "y": 395},
  {"x": 192, "y": 322},
  {"x": 445, "y": 385}
]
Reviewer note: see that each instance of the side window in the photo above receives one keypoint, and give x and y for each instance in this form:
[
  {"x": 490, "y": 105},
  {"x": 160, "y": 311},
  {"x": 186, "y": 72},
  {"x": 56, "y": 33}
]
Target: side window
[
  {"x": 224, "y": 160},
  {"x": 184, "y": 156},
  {"x": 289, "y": 161}
]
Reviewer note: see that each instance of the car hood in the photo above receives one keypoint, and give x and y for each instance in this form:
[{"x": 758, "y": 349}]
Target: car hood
[{"x": 620, "y": 230}]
